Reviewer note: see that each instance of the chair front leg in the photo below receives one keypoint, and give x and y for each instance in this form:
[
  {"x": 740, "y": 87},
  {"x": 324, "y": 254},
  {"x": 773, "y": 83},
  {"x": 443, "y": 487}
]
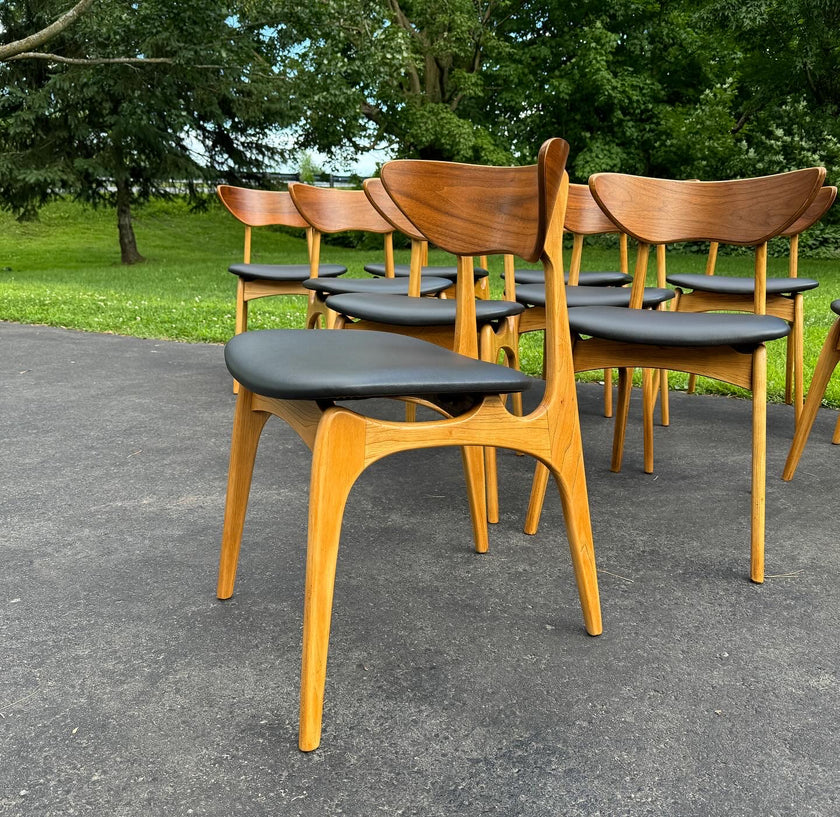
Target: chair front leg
[{"x": 338, "y": 457}]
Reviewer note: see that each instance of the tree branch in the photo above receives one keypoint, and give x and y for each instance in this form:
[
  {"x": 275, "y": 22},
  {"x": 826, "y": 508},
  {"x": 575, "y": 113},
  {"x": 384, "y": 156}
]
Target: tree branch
[
  {"x": 13, "y": 49},
  {"x": 38, "y": 55}
]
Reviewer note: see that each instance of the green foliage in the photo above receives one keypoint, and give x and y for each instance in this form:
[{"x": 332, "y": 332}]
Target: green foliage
[
  {"x": 184, "y": 292},
  {"x": 104, "y": 130}
]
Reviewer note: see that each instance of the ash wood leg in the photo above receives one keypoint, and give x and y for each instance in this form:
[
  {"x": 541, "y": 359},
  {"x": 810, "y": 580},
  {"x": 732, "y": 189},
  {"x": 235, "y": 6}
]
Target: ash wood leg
[
  {"x": 796, "y": 355},
  {"x": 625, "y": 384},
  {"x": 836, "y": 436},
  {"x": 473, "y": 457},
  {"x": 759, "y": 463},
  {"x": 247, "y": 427},
  {"x": 573, "y": 494},
  {"x": 665, "y": 397},
  {"x": 789, "y": 369},
  {"x": 608, "y": 392},
  {"x": 692, "y": 384},
  {"x": 491, "y": 474},
  {"x": 337, "y": 461},
  {"x": 535, "y": 503},
  {"x": 827, "y": 362},
  {"x": 649, "y": 385}
]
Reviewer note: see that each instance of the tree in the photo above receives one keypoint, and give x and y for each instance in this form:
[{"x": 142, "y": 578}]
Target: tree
[
  {"x": 403, "y": 73},
  {"x": 164, "y": 91},
  {"x": 17, "y": 47}
]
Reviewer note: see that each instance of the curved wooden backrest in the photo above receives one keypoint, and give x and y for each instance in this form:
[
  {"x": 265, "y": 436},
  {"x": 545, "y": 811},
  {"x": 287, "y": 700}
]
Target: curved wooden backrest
[
  {"x": 478, "y": 210},
  {"x": 330, "y": 210},
  {"x": 584, "y": 216},
  {"x": 742, "y": 211},
  {"x": 384, "y": 204},
  {"x": 819, "y": 207},
  {"x": 259, "y": 208}
]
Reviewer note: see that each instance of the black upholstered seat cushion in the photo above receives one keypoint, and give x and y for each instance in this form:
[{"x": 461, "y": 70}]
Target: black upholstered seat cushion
[
  {"x": 375, "y": 286},
  {"x": 835, "y": 306},
  {"x": 731, "y": 285},
  {"x": 676, "y": 328},
  {"x": 534, "y": 295},
  {"x": 327, "y": 364},
  {"x": 589, "y": 279},
  {"x": 403, "y": 270},
  {"x": 283, "y": 272},
  {"x": 400, "y": 311}
]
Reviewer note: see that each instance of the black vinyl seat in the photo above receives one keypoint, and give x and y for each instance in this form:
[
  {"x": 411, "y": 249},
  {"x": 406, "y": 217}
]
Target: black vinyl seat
[
  {"x": 534, "y": 295},
  {"x": 399, "y": 311},
  {"x": 589, "y": 279},
  {"x": 359, "y": 365},
  {"x": 677, "y": 328},
  {"x": 731, "y": 285},
  {"x": 403, "y": 270},
  {"x": 375, "y": 286},
  {"x": 284, "y": 272}
]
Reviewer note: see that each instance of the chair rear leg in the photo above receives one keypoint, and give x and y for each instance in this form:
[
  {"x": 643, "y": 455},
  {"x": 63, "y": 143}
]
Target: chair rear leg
[
  {"x": 650, "y": 382},
  {"x": 759, "y": 464},
  {"x": 337, "y": 460},
  {"x": 572, "y": 487},
  {"x": 625, "y": 385},
  {"x": 608, "y": 393},
  {"x": 535, "y": 503},
  {"x": 826, "y": 363},
  {"x": 473, "y": 458},
  {"x": 247, "y": 427}
]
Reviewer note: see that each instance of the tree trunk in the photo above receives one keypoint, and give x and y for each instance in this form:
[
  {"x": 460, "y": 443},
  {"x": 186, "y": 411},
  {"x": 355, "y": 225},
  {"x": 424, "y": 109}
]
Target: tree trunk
[{"x": 128, "y": 243}]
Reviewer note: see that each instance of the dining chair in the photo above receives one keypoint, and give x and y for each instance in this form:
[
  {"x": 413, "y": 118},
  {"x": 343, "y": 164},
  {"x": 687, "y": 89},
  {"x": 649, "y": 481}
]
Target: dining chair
[
  {"x": 432, "y": 319},
  {"x": 584, "y": 217},
  {"x": 726, "y": 346},
  {"x": 265, "y": 208},
  {"x": 327, "y": 211},
  {"x": 299, "y": 375},
  {"x": 826, "y": 364},
  {"x": 709, "y": 292}
]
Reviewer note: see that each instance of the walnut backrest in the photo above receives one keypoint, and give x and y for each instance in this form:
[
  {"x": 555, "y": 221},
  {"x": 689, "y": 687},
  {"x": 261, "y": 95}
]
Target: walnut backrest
[
  {"x": 385, "y": 206},
  {"x": 471, "y": 210},
  {"x": 583, "y": 214},
  {"x": 330, "y": 210},
  {"x": 260, "y": 208},
  {"x": 745, "y": 212},
  {"x": 819, "y": 207}
]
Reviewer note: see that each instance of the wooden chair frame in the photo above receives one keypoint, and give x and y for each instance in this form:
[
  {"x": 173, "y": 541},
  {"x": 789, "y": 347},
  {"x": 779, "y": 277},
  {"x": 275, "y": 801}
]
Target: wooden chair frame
[
  {"x": 327, "y": 210},
  {"x": 788, "y": 307},
  {"x": 466, "y": 210},
  {"x": 659, "y": 211},
  {"x": 262, "y": 208}
]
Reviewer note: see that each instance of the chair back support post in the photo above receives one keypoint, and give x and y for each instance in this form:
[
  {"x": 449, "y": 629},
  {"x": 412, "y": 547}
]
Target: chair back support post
[
  {"x": 637, "y": 291},
  {"x": 246, "y": 255},
  {"x": 558, "y": 366},
  {"x": 760, "y": 296}
]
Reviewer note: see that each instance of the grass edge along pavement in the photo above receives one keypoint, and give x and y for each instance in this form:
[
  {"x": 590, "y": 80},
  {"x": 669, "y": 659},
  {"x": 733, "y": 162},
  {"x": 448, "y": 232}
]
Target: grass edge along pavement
[{"x": 64, "y": 270}]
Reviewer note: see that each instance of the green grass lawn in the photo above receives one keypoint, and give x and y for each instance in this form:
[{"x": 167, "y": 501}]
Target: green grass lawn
[{"x": 64, "y": 270}]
